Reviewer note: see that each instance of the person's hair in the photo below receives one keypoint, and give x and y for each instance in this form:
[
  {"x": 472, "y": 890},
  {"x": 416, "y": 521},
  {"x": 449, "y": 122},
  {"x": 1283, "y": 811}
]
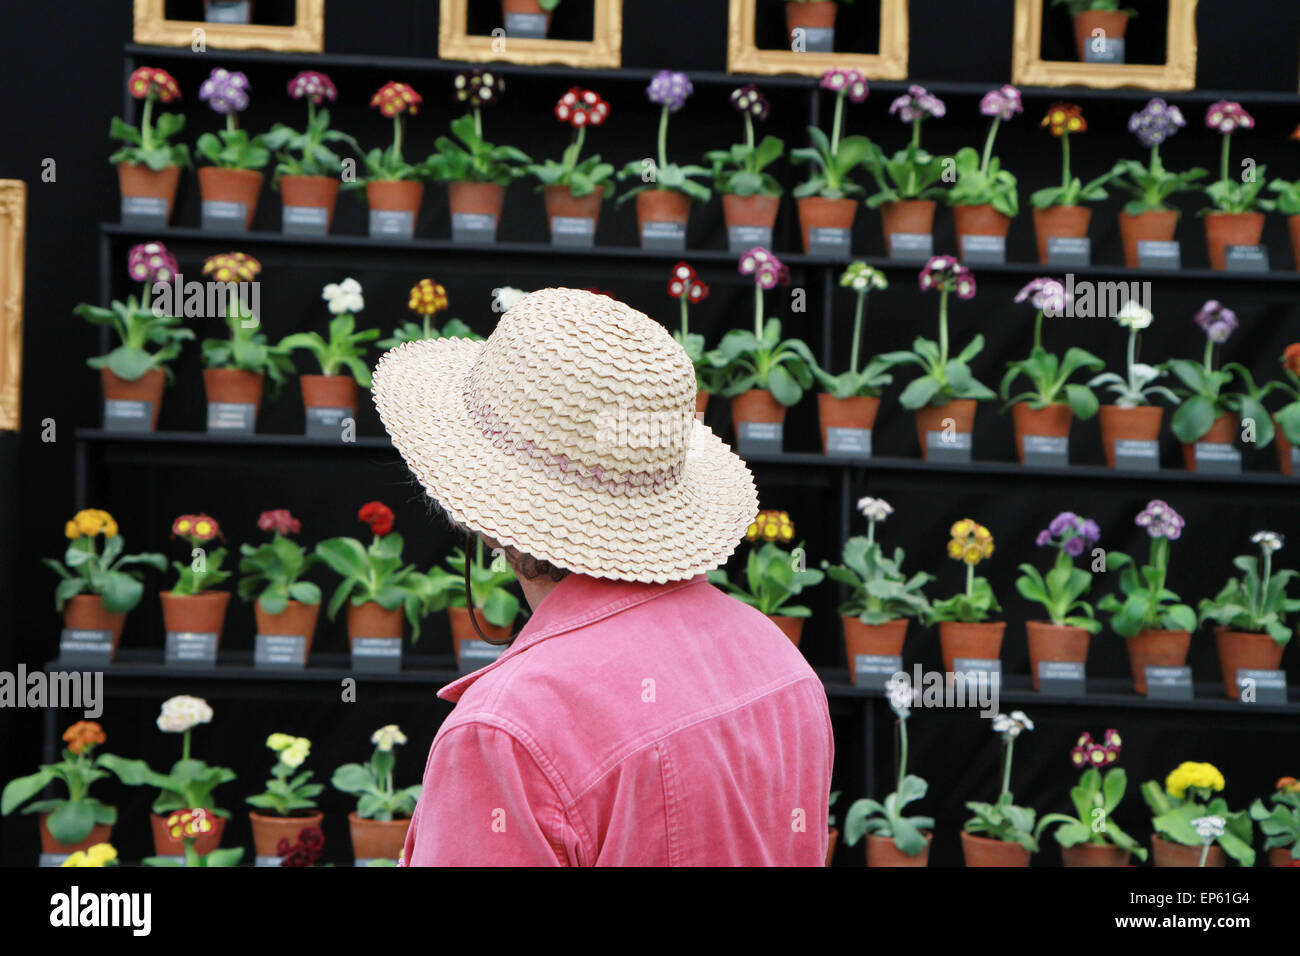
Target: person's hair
[{"x": 525, "y": 565}]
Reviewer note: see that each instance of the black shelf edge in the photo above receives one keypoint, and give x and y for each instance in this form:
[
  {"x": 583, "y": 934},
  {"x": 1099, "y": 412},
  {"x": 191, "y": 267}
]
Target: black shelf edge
[
  {"x": 432, "y": 64},
  {"x": 257, "y": 439},
  {"x": 358, "y": 242}
]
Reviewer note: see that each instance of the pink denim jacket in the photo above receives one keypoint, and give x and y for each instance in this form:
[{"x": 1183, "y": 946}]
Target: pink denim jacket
[{"x": 632, "y": 725}]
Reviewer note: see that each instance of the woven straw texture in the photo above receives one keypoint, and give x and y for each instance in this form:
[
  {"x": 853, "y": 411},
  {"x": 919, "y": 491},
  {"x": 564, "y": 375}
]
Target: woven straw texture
[{"x": 571, "y": 435}]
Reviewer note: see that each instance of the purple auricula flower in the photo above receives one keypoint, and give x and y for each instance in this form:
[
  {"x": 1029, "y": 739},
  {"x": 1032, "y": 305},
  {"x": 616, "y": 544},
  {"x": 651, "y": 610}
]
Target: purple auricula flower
[
  {"x": 850, "y": 83},
  {"x": 917, "y": 103},
  {"x": 1046, "y": 294},
  {"x": 225, "y": 91},
  {"x": 1160, "y": 521},
  {"x": 768, "y": 271},
  {"x": 1069, "y": 531},
  {"x": 1156, "y": 122},
  {"x": 151, "y": 262},
  {"x": 670, "y": 88},
  {"x": 1002, "y": 103},
  {"x": 946, "y": 274},
  {"x": 1217, "y": 321},
  {"x": 750, "y": 101},
  {"x": 1065, "y": 521},
  {"x": 313, "y": 86},
  {"x": 1225, "y": 116},
  {"x": 1044, "y": 538},
  {"x": 1073, "y": 547}
]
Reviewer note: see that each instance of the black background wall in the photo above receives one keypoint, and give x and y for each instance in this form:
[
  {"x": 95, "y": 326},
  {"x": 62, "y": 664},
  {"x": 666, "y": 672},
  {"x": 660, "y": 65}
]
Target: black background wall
[{"x": 66, "y": 62}]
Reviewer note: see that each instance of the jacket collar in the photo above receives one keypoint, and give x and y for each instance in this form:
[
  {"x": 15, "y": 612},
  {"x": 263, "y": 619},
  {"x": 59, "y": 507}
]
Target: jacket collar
[{"x": 575, "y": 602}]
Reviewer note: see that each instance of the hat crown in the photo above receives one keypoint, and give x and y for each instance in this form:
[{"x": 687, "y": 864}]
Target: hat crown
[{"x": 587, "y": 389}]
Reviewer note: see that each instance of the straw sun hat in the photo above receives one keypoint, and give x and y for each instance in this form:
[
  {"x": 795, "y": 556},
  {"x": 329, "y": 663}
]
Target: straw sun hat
[{"x": 571, "y": 435}]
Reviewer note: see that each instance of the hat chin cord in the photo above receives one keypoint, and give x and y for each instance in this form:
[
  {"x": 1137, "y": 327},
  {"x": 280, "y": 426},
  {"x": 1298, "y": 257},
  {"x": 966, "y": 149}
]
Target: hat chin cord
[{"x": 469, "y": 597}]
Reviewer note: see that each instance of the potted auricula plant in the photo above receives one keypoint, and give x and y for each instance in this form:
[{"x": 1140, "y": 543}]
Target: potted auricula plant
[
  {"x": 1235, "y": 216},
  {"x": 476, "y": 172},
  {"x": 1070, "y": 623},
  {"x": 663, "y": 198},
  {"x": 148, "y": 166},
  {"x": 965, "y": 630},
  {"x": 187, "y": 828},
  {"x": 811, "y": 15},
  {"x": 1059, "y": 212},
  {"x": 330, "y": 398},
  {"x": 194, "y": 605},
  {"x": 1288, "y": 204},
  {"x": 134, "y": 373},
  {"x": 97, "y": 588},
  {"x": 944, "y": 396},
  {"x": 892, "y": 838},
  {"x": 236, "y": 368},
  {"x": 826, "y": 204},
  {"x": 1281, "y": 824},
  {"x": 307, "y": 170},
  {"x": 1050, "y": 406},
  {"x": 751, "y": 196},
  {"x": 494, "y": 603},
  {"x": 427, "y": 299},
  {"x": 1001, "y": 833},
  {"x": 394, "y": 188},
  {"x": 383, "y": 815},
  {"x": 852, "y": 398},
  {"x": 288, "y": 794},
  {"x": 1287, "y": 418},
  {"x": 773, "y": 575},
  {"x": 573, "y": 189},
  {"x": 688, "y": 289},
  {"x": 231, "y": 185},
  {"x": 762, "y": 373},
  {"x": 984, "y": 198},
  {"x": 187, "y": 786},
  {"x": 285, "y": 606},
  {"x": 908, "y": 181},
  {"x": 1093, "y": 838},
  {"x": 1193, "y": 827},
  {"x": 881, "y": 596},
  {"x": 535, "y": 14},
  {"x": 1132, "y": 421},
  {"x": 1155, "y": 626},
  {"x": 77, "y": 821},
  {"x": 1096, "y": 19},
  {"x": 1250, "y": 613},
  {"x": 1147, "y": 217}
]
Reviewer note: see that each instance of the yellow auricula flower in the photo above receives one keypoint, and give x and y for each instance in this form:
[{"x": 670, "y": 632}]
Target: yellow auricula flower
[
  {"x": 278, "y": 742},
  {"x": 1202, "y": 776}
]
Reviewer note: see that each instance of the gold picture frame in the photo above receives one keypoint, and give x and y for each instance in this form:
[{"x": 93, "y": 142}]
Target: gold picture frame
[
  {"x": 307, "y": 35},
  {"x": 888, "y": 64},
  {"x": 13, "y": 238},
  {"x": 1178, "y": 72},
  {"x": 605, "y": 50}
]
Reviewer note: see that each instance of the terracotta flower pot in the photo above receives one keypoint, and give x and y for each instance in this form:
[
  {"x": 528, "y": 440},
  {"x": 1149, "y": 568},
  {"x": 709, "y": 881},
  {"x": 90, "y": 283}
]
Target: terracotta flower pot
[
  {"x": 1281, "y": 856},
  {"x": 832, "y": 837},
  {"x": 878, "y": 640},
  {"x": 231, "y": 185},
  {"x": 377, "y": 839},
  {"x": 146, "y": 388},
  {"x": 269, "y": 829},
  {"x": 1168, "y": 853},
  {"x": 791, "y": 627},
  {"x": 817, "y": 212},
  {"x": 203, "y": 613},
  {"x": 1066, "y": 222},
  {"x": 234, "y": 386},
  {"x": 137, "y": 179},
  {"x": 979, "y": 640},
  {"x": 1155, "y": 648},
  {"x": 481, "y": 199},
  {"x": 370, "y": 619},
  {"x": 525, "y": 6},
  {"x": 755, "y": 405},
  {"x": 1154, "y": 225},
  {"x": 1239, "y": 650},
  {"x": 1052, "y": 420},
  {"x": 1223, "y": 229},
  {"x": 1112, "y": 23},
  {"x": 1293, "y": 226},
  {"x": 329, "y": 391},
  {"x": 311, "y": 192},
  {"x": 1222, "y": 432},
  {"x": 820, "y": 14},
  {"x": 203, "y": 845},
  {"x": 701, "y": 404},
  {"x": 907, "y": 216},
  {"x": 1283, "y": 449},
  {"x": 930, "y": 418},
  {"x": 396, "y": 195},
  {"x": 99, "y": 833},
  {"x": 462, "y": 629},
  {"x": 857, "y": 412},
  {"x": 1141, "y": 423},
  {"x": 751, "y": 210},
  {"x": 882, "y": 851},
  {"x": 562, "y": 204},
  {"x": 980, "y": 220},
  {"x": 1055, "y": 642},
  {"x": 85, "y": 612},
  {"x": 986, "y": 851},
  {"x": 661, "y": 205},
  {"x": 296, "y": 619},
  {"x": 1094, "y": 854}
]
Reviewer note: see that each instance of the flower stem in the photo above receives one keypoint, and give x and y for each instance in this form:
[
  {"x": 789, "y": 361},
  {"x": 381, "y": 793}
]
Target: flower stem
[
  {"x": 1006, "y": 766},
  {"x": 1065, "y": 160},
  {"x": 749, "y": 131},
  {"x": 839, "y": 120},
  {"x": 146, "y": 132},
  {"x": 685, "y": 322},
  {"x": 1223, "y": 156},
  {"x": 902, "y": 753},
  {"x": 1209, "y": 355},
  {"x": 857, "y": 332},
  {"x": 478, "y": 122},
  {"x": 1205, "y": 852},
  {"x": 871, "y": 531},
  {"x": 988, "y": 144},
  {"x": 185, "y": 746},
  {"x": 663, "y": 139},
  {"x": 943, "y": 328},
  {"x": 758, "y": 312},
  {"x": 1132, "y": 360},
  {"x": 970, "y": 580},
  {"x": 397, "y": 137},
  {"x": 1038, "y": 330}
]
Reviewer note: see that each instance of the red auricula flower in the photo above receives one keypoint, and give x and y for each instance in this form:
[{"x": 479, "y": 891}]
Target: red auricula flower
[{"x": 378, "y": 515}]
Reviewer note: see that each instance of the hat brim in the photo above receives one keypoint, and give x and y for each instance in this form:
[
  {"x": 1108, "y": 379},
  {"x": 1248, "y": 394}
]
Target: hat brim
[{"x": 683, "y": 530}]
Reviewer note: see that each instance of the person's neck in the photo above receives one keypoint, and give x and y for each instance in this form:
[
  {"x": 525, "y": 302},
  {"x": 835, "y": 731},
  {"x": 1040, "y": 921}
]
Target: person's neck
[{"x": 536, "y": 589}]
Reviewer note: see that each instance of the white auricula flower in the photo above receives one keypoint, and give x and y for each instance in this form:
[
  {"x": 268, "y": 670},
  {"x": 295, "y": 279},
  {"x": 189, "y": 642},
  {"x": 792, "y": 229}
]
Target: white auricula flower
[
  {"x": 1002, "y": 723},
  {"x": 386, "y": 737},
  {"x": 875, "y": 509},
  {"x": 901, "y": 695},
  {"x": 1268, "y": 541},
  {"x": 182, "y": 713},
  {"x": 343, "y": 297},
  {"x": 504, "y": 298},
  {"x": 1209, "y": 828},
  {"x": 1134, "y": 316}
]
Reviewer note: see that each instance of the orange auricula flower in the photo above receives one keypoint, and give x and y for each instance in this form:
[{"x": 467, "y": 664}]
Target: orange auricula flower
[{"x": 1065, "y": 118}]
